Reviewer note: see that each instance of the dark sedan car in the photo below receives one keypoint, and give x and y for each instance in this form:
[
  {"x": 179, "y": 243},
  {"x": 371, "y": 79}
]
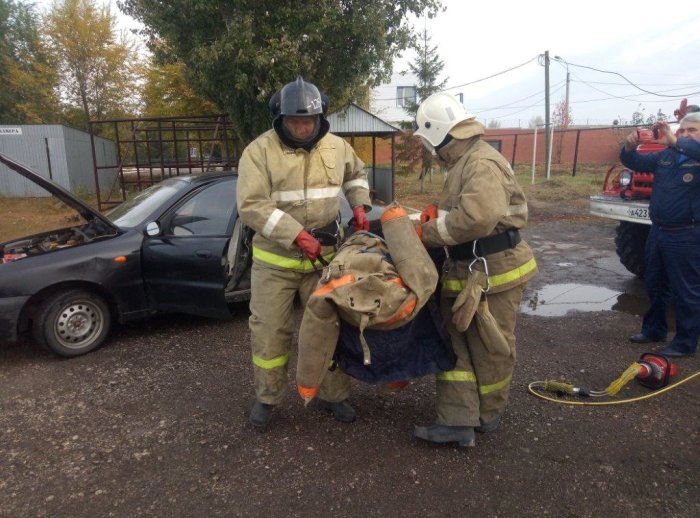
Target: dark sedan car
[{"x": 177, "y": 246}]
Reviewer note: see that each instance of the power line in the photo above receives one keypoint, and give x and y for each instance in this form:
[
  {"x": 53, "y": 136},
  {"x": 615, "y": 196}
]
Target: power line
[
  {"x": 538, "y": 103},
  {"x": 510, "y": 105},
  {"x": 623, "y": 97},
  {"x": 493, "y": 75},
  {"x": 469, "y": 83},
  {"x": 693, "y": 85},
  {"x": 630, "y": 82}
]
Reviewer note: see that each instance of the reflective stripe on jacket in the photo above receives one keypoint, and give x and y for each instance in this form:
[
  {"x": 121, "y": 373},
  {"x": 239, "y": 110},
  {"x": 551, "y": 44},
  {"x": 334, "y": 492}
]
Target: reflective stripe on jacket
[
  {"x": 481, "y": 198},
  {"x": 288, "y": 263},
  {"x": 282, "y": 191}
]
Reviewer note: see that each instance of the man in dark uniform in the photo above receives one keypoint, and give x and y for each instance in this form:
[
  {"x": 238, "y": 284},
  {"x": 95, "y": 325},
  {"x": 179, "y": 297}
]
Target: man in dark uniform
[{"x": 673, "y": 246}]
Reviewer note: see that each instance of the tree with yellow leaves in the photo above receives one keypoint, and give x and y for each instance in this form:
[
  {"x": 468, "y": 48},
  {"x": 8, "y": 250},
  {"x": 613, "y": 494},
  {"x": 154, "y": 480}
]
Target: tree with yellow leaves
[{"x": 99, "y": 67}]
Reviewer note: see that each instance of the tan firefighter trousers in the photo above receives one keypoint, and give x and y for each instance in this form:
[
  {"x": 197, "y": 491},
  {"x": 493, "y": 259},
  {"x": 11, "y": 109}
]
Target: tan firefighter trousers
[
  {"x": 479, "y": 384},
  {"x": 272, "y": 325}
]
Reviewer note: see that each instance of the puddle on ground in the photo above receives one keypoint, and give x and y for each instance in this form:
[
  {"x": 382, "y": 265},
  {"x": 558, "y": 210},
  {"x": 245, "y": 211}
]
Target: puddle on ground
[{"x": 556, "y": 300}]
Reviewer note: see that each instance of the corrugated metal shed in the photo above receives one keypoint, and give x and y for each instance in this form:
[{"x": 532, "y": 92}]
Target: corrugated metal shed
[
  {"x": 353, "y": 120},
  {"x": 54, "y": 151}
]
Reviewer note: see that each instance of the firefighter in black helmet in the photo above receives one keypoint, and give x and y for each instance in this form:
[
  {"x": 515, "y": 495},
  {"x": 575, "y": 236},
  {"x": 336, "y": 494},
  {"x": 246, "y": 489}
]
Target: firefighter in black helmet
[
  {"x": 299, "y": 99},
  {"x": 289, "y": 179}
]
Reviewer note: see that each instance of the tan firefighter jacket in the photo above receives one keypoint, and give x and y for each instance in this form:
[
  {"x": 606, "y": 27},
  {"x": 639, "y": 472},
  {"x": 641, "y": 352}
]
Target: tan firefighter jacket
[
  {"x": 481, "y": 198},
  {"x": 282, "y": 191},
  {"x": 372, "y": 284}
]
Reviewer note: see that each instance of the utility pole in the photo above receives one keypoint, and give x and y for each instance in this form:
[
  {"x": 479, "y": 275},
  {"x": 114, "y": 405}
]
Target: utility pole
[
  {"x": 547, "y": 134},
  {"x": 568, "y": 80},
  {"x": 567, "y": 93}
]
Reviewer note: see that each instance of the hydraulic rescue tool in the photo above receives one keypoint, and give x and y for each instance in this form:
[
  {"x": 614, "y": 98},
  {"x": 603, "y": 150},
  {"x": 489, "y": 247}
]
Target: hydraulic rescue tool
[{"x": 653, "y": 371}]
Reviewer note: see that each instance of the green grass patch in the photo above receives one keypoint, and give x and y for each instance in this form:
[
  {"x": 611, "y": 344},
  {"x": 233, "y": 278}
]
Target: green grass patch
[{"x": 561, "y": 186}]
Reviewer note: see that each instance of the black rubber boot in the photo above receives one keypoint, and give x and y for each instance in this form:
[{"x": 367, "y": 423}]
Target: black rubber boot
[
  {"x": 672, "y": 352},
  {"x": 440, "y": 433},
  {"x": 488, "y": 427},
  {"x": 641, "y": 338},
  {"x": 260, "y": 414},
  {"x": 342, "y": 410}
]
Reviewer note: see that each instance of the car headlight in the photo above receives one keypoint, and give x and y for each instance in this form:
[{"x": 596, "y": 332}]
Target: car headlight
[{"x": 625, "y": 178}]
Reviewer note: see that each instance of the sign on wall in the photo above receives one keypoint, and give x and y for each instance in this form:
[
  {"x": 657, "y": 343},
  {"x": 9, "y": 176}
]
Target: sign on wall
[{"x": 10, "y": 131}]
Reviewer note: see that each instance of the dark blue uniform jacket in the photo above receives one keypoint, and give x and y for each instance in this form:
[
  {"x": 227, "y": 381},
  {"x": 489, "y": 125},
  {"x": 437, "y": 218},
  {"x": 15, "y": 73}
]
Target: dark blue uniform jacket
[{"x": 675, "y": 201}]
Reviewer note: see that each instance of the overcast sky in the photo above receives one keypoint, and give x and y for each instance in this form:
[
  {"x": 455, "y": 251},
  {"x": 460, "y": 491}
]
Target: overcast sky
[{"x": 654, "y": 44}]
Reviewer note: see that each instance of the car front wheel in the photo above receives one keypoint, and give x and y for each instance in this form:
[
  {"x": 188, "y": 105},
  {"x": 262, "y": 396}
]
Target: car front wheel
[{"x": 72, "y": 323}]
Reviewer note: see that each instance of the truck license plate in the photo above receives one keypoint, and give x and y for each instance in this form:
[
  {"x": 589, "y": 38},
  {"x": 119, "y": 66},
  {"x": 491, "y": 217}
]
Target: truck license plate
[{"x": 638, "y": 213}]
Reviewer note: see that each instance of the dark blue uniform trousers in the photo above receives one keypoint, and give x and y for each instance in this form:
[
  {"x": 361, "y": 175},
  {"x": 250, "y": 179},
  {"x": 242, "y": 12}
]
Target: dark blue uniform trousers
[{"x": 673, "y": 261}]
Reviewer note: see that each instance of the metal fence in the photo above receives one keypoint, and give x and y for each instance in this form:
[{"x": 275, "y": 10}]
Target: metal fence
[{"x": 152, "y": 149}]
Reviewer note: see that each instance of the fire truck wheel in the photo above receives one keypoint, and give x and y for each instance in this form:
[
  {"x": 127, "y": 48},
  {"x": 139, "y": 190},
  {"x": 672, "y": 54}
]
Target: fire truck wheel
[{"x": 630, "y": 239}]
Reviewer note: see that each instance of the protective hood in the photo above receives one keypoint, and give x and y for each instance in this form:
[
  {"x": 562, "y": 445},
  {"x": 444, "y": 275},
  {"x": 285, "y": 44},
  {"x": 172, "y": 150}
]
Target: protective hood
[
  {"x": 467, "y": 129},
  {"x": 289, "y": 141},
  {"x": 464, "y": 135}
]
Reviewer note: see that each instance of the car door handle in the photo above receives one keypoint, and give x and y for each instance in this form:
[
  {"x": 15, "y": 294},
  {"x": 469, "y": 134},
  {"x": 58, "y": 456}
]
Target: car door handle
[{"x": 204, "y": 254}]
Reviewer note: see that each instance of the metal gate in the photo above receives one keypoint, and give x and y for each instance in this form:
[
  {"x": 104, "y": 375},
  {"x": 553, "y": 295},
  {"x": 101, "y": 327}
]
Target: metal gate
[{"x": 152, "y": 149}]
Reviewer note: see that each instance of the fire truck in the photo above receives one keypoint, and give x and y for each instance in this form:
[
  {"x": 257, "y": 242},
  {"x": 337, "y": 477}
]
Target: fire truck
[{"x": 625, "y": 198}]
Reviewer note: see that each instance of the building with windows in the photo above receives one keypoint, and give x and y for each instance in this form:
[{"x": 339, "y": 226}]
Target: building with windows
[{"x": 388, "y": 100}]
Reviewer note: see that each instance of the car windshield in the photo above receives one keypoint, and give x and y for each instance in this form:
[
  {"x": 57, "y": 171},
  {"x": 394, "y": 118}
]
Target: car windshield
[{"x": 133, "y": 212}]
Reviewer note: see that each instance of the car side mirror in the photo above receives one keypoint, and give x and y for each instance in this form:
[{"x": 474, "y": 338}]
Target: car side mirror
[{"x": 152, "y": 229}]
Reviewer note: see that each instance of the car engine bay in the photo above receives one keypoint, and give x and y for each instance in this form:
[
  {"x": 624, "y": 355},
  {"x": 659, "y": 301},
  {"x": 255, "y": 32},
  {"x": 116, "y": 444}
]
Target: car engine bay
[{"x": 52, "y": 240}]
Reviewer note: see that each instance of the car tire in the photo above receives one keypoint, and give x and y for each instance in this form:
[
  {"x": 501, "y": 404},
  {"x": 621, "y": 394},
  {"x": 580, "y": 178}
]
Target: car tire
[
  {"x": 630, "y": 241},
  {"x": 72, "y": 323}
]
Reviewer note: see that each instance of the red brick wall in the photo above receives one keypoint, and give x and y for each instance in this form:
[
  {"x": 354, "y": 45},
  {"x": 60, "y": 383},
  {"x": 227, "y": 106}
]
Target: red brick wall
[{"x": 596, "y": 145}]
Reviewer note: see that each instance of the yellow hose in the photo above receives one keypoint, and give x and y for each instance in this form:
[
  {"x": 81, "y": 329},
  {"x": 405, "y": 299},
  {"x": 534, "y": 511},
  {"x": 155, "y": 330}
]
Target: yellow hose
[
  {"x": 545, "y": 385},
  {"x": 630, "y": 373}
]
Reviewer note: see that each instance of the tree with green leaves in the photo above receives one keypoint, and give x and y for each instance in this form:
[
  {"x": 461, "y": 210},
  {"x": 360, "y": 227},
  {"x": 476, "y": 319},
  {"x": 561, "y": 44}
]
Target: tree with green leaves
[
  {"x": 29, "y": 79},
  {"x": 427, "y": 68},
  {"x": 239, "y": 52},
  {"x": 99, "y": 67},
  {"x": 166, "y": 93}
]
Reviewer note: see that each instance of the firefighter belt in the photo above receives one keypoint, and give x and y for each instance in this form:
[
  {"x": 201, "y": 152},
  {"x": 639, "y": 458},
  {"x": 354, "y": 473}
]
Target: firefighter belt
[{"x": 371, "y": 284}]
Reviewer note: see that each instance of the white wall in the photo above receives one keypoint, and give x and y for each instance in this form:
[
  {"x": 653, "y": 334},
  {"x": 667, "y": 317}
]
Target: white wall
[{"x": 383, "y": 101}]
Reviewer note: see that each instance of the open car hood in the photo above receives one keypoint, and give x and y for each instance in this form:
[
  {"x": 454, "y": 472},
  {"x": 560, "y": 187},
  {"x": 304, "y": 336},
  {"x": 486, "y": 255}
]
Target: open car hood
[{"x": 87, "y": 212}]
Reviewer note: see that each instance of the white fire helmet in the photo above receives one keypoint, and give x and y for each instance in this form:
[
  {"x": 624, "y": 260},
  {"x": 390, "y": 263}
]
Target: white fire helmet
[{"x": 436, "y": 116}]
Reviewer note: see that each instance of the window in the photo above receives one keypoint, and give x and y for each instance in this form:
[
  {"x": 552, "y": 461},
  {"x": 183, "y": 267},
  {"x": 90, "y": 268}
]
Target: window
[
  {"x": 405, "y": 94},
  {"x": 207, "y": 213},
  {"x": 496, "y": 144}
]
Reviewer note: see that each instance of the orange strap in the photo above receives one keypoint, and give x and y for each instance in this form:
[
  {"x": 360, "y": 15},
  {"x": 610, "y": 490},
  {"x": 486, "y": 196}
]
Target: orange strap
[
  {"x": 333, "y": 284},
  {"x": 395, "y": 386},
  {"x": 393, "y": 213},
  {"x": 403, "y": 312},
  {"x": 307, "y": 392}
]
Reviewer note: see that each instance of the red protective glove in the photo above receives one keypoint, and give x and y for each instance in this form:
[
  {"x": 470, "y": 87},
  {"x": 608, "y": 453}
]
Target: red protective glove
[
  {"x": 361, "y": 222},
  {"x": 430, "y": 212},
  {"x": 308, "y": 244},
  {"x": 419, "y": 231}
]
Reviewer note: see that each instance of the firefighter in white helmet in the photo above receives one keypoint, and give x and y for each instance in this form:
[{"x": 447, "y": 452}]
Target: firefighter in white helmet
[
  {"x": 288, "y": 186},
  {"x": 478, "y": 218}
]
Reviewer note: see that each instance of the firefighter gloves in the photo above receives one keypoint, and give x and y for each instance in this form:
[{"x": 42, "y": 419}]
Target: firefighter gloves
[
  {"x": 360, "y": 219},
  {"x": 308, "y": 244},
  {"x": 430, "y": 212}
]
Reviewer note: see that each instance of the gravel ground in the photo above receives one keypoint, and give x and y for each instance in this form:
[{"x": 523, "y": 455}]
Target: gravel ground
[{"x": 155, "y": 422}]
